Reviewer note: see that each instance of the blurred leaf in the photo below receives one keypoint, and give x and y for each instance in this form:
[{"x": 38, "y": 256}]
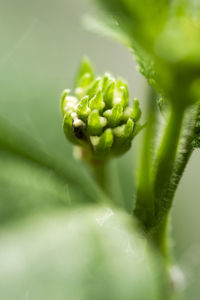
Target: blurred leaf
[
  {"x": 89, "y": 254},
  {"x": 31, "y": 179},
  {"x": 107, "y": 27},
  {"x": 164, "y": 36},
  {"x": 26, "y": 189}
]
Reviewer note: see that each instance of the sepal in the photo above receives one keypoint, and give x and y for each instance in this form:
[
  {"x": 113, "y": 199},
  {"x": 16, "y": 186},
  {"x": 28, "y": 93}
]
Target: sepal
[
  {"x": 114, "y": 115},
  {"x": 96, "y": 123},
  {"x": 83, "y": 110}
]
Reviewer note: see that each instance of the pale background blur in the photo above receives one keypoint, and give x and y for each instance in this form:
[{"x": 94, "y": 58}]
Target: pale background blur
[{"x": 42, "y": 43}]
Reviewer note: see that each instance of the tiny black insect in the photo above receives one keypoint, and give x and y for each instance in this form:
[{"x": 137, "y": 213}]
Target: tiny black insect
[{"x": 79, "y": 133}]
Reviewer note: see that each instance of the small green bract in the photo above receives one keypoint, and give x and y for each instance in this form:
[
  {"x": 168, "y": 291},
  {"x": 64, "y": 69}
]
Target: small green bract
[{"x": 99, "y": 117}]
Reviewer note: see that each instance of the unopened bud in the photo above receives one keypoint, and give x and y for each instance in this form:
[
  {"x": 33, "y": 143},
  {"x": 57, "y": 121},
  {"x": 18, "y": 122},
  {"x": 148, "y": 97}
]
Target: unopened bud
[{"x": 99, "y": 117}]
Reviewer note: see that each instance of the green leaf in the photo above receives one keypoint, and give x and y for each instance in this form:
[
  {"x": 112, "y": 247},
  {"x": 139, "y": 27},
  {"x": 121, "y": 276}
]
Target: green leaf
[
  {"x": 27, "y": 189},
  {"x": 106, "y": 27},
  {"x": 164, "y": 36},
  {"x": 86, "y": 254},
  {"x": 18, "y": 198}
]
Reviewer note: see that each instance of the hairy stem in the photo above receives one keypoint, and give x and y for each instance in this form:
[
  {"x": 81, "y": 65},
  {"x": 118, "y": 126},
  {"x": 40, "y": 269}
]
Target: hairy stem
[
  {"x": 152, "y": 206},
  {"x": 170, "y": 168},
  {"x": 184, "y": 152},
  {"x": 164, "y": 163}
]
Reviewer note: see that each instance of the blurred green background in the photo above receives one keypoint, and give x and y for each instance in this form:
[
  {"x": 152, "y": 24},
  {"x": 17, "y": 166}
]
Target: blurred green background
[{"x": 42, "y": 43}]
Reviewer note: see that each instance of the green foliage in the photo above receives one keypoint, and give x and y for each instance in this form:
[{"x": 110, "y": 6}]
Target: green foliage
[
  {"x": 26, "y": 189},
  {"x": 32, "y": 180},
  {"x": 99, "y": 118},
  {"x": 165, "y": 39},
  {"x": 100, "y": 253},
  {"x": 93, "y": 253}
]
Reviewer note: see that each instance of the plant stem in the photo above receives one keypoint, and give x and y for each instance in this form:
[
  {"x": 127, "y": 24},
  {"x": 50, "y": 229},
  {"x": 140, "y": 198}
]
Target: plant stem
[
  {"x": 100, "y": 174},
  {"x": 164, "y": 163},
  {"x": 184, "y": 152},
  {"x": 152, "y": 206},
  {"x": 162, "y": 171},
  {"x": 183, "y": 148},
  {"x": 159, "y": 237},
  {"x": 144, "y": 208},
  {"x": 173, "y": 168}
]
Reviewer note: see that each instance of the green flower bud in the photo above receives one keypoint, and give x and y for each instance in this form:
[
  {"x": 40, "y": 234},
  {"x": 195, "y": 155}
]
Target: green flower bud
[{"x": 100, "y": 118}]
